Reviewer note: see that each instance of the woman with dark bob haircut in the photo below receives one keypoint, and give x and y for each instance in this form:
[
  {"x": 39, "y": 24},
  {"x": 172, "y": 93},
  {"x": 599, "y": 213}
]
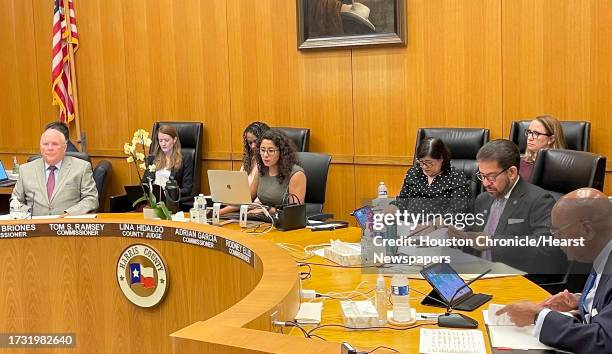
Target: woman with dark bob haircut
[
  {"x": 433, "y": 177},
  {"x": 280, "y": 178}
]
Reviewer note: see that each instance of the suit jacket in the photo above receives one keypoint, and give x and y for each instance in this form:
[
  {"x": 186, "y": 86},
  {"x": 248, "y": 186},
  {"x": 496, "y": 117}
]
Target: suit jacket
[
  {"x": 183, "y": 176},
  {"x": 572, "y": 334},
  {"x": 74, "y": 193},
  {"x": 527, "y": 213}
]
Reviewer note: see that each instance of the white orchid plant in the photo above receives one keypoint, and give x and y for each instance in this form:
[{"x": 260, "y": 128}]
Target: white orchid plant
[{"x": 137, "y": 152}]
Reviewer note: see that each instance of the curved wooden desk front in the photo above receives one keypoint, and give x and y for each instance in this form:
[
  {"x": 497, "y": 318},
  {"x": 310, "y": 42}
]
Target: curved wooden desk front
[{"x": 216, "y": 302}]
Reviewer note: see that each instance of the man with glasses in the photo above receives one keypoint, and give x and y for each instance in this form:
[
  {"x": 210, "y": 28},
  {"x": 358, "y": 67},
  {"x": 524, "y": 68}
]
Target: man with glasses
[
  {"x": 55, "y": 184},
  {"x": 583, "y": 220},
  {"x": 513, "y": 207}
]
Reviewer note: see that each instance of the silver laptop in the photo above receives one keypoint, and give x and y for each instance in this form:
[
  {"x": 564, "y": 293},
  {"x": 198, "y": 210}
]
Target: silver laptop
[{"x": 229, "y": 187}]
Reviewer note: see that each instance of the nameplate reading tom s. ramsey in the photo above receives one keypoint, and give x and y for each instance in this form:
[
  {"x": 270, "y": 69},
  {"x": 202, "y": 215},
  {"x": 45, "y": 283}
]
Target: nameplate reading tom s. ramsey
[{"x": 142, "y": 275}]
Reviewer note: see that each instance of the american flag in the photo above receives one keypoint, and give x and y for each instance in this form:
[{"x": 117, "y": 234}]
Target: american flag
[{"x": 64, "y": 35}]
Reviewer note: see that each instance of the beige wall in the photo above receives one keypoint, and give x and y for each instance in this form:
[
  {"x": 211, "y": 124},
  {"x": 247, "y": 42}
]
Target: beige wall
[{"x": 229, "y": 62}]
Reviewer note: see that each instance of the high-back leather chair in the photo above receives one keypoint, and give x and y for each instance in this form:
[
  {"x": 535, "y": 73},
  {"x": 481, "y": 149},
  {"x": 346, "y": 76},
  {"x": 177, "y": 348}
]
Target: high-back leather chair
[
  {"x": 577, "y": 134},
  {"x": 299, "y": 136},
  {"x": 316, "y": 168},
  {"x": 561, "y": 171},
  {"x": 463, "y": 144},
  {"x": 190, "y": 135},
  {"x": 101, "y": 175}
]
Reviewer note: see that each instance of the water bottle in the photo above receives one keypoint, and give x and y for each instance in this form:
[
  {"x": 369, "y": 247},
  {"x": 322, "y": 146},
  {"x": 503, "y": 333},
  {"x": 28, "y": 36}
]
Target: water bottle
[
  {"x": 15, "y": 166},
  {"x": 400, "y": 296},
  {"x": 381, "y": 300},
  {"x": 382, "y": 190}
]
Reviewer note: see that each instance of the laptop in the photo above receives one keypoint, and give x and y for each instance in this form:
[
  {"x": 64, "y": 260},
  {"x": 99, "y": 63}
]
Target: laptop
[
  {"x": 229, "y": 187},
  {"x": 446, "y": 283},
  {"x": 4, "y": 180}
]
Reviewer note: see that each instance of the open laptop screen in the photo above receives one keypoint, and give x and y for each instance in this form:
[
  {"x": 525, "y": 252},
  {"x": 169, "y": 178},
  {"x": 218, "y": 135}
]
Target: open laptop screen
[{"x": 3, "y": 175}]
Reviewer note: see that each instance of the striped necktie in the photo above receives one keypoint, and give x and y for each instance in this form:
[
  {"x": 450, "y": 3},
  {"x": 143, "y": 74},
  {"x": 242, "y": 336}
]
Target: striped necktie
[{"x": 587, "y": 287}]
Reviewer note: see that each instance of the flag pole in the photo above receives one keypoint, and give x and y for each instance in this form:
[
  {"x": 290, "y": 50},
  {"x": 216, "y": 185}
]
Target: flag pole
[{"x": 73, "y": 84}]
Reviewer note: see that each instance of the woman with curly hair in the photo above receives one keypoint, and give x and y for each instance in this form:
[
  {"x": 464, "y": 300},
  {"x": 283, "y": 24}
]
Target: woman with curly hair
[
  {"x": 280, "y": 180},
  {"x": 250, "y": 136}
]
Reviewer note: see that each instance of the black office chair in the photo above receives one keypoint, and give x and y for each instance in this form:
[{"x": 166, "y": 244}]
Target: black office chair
[
  {"x": 299, "y": 136},
  {"x": 101, "y": 175},
  {"x": 316, "y": 168},
  {"x": 79, "y": 155},
  {"x": 190, "y": 135},
  {"x": 463, "y": 144},
  {"x": 577, "y": 134},
  {"x": 561, "y": 171}
]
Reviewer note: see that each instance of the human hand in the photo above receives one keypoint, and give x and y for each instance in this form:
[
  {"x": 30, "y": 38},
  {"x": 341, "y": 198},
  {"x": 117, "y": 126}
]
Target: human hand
[
  {"x": 453, "y": 232},
  {"x": 522, "y": 313},
  {"x": 563, "y": 301}
]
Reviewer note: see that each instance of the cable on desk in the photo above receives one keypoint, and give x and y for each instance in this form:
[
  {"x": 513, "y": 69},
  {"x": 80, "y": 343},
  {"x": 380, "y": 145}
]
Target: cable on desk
[
  {"x": 338, "y": 266},
  {"x": 306, "y": 275},
  {"x": 381, "y": 347},
  {"x": 374, "y": 327}
]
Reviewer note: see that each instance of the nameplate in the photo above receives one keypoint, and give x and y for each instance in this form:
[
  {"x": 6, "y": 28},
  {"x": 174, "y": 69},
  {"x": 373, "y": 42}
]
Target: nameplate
[{"x": 129, "y": 230}]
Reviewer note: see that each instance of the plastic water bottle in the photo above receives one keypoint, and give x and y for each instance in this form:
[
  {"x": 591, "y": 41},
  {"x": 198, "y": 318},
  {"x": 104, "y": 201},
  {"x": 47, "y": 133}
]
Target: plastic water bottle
[
  {"x": 381, "y": 300},
  {"x": 382, "y": 190},
  {"x": 400, "y": 296},
  {"x": 15, "y": 166}
]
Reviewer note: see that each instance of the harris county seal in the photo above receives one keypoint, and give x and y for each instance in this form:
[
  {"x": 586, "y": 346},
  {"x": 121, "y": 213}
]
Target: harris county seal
[{"x": 142, "y": 275}]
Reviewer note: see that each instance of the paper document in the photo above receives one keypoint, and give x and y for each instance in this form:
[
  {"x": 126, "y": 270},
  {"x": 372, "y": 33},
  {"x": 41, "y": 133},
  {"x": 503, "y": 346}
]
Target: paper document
[
  {"x": 82, "y": 216},
  {"x": 504, "y": 334}
]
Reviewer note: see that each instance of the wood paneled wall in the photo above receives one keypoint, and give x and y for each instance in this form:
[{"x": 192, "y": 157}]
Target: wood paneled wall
[{"x": 229, "y": 62}]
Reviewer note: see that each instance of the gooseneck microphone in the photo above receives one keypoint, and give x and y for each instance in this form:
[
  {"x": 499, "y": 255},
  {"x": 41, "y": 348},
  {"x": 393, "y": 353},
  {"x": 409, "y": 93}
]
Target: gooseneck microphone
[{"x": 457, "y": 320}]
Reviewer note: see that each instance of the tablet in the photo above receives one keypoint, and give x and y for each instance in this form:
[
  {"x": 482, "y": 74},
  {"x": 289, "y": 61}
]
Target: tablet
[
  {"x": 364, "y": 216},
  {"x": 446, "y": 282}
]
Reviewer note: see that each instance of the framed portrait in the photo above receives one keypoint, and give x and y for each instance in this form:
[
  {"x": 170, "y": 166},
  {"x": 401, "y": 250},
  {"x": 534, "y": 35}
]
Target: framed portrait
[{"x": 348, "y": 23}]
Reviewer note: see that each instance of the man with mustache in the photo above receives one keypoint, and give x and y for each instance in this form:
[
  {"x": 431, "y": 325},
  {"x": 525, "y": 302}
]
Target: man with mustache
[{"x": 513, "y": 207}]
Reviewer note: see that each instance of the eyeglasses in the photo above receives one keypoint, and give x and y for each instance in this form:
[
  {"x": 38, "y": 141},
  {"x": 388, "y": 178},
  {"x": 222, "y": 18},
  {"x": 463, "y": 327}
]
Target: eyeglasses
[
  {"x": 535, "y": 134},
  {"x": 490, "y": 178},
  {"x": 426, "y": 163},
  {"x": 270, "y": 151}
]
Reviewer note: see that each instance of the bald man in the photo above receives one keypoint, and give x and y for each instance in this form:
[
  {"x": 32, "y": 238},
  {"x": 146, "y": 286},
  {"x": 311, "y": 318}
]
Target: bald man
[
  {"x": 584, "y": 215},
  {"x": 55, "y": 184}
]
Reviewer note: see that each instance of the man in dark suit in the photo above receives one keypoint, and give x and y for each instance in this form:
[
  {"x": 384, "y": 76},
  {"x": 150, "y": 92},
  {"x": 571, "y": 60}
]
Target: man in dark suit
[
  {"x": 63, "y": 128},
  {"x": 513, "y": 207},
  {"x": 583, "y": 219}
]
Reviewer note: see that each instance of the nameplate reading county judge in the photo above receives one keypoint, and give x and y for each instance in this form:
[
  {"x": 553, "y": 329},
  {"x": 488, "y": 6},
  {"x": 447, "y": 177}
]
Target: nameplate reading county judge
[{"x": 142, "y": 275}]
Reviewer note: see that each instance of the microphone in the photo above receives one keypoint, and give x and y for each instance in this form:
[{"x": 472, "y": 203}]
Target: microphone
[{"x": 457, "y": 320}]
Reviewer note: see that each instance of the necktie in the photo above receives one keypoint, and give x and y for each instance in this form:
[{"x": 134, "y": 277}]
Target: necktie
[
  {"x": 51, "y": 181},
  {"x": 496, "y": 210},
  {"x": 587, "y": 287}
]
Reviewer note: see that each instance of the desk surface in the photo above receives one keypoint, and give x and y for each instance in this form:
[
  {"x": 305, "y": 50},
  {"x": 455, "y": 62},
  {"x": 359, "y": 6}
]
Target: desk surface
[
  {"x": 243, "y": 327},
  {"x": 326, "y": 279}
]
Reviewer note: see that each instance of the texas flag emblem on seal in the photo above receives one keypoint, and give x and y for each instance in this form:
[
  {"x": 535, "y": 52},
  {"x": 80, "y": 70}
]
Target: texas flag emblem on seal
[{"x": 142, "y": 275}]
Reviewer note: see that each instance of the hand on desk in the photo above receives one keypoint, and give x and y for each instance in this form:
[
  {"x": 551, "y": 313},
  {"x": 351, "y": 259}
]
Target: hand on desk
[
  {"x": 563, "y": 301},
  {"x": 522, "y": 313}
]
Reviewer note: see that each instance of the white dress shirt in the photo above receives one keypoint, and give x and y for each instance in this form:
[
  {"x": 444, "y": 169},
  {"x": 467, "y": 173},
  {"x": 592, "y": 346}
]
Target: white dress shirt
[{"x": 598, "y": 266}]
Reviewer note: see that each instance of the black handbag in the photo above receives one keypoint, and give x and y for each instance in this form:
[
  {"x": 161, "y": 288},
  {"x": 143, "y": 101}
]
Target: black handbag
[{"x": 290, "y": 216}]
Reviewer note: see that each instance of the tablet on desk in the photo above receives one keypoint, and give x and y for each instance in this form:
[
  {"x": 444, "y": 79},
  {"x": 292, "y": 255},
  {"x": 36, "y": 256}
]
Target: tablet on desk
[{"x": 446, "y": 284}]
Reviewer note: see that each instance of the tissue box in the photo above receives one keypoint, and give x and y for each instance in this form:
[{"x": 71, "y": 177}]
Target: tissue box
[
  {"x": 359, "y": 314},
  {"x": 343, "y": 253}
]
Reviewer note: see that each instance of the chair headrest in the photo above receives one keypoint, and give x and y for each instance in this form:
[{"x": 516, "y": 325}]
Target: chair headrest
[
  {"x": 566, "y": 170},
  {"x": 188, "y": 132},
  {"x": 463, "y": 143}
]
